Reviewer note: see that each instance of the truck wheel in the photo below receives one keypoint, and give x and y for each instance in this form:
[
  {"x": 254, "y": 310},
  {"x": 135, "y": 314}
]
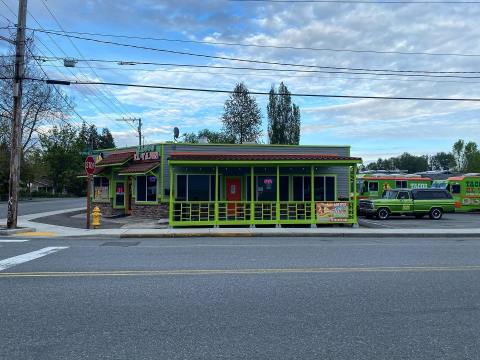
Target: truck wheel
[
  {"x": 435, "y": 214},
  {"x": 383, "y": 213}
]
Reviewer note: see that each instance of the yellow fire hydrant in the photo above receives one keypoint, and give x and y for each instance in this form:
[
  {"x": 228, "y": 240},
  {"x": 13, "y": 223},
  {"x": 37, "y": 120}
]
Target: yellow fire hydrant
[{"x": 96, "y": 215}]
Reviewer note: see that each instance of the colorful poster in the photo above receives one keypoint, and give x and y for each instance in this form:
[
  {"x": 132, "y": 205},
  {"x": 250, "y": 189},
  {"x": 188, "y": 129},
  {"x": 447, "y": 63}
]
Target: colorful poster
[{"x": 332, "y": 211}]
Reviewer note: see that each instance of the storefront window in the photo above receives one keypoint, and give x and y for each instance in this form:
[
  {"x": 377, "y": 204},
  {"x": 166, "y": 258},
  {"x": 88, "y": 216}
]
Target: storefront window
[
  {"x": 146, "y": 188},
  {"x": 100, "y": 188},
  {"x": 266, "y": 188},
  {"x": 195, "y": 188},
  {"x": 199, "y": 188},
  {"x": 120, "y": 194}
]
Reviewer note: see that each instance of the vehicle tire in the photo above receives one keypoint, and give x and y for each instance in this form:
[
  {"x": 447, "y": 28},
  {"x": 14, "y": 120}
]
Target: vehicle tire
[
  {"x": 435, "y": 214},
  {"x": 383, "y": 214},
  {"x": 419, "y": 216}
]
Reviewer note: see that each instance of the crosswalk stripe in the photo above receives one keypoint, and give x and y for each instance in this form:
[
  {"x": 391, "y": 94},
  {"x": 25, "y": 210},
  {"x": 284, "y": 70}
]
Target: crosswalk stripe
[
  {"x": 13, "y": 240},
  {"x": 20, "y": 259}
]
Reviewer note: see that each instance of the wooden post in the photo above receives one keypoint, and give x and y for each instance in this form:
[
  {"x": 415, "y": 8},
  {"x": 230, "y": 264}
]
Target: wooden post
[
  {"x": 89, "y": 186},
  {"x": 16, "y": 140}
]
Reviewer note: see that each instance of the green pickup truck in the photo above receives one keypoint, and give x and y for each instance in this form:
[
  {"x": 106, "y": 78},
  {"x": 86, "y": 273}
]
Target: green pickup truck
[{"x": 416, "y": 202}]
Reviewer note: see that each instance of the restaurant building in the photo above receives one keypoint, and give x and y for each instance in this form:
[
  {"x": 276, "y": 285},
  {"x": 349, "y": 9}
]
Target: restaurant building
[{"x": 215, "y": 185}]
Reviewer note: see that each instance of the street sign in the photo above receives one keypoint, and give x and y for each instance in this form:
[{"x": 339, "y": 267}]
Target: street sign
[{"x": 89, "y": 165}]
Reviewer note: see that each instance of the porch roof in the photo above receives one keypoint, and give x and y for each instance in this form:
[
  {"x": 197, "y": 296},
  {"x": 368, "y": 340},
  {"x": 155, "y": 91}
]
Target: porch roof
[
  {"x": 116, "y": 158},
  {"x": 96, "y": 172},
  {"x": 184, "y": 157},
  {"x": 139, "y": 168}
]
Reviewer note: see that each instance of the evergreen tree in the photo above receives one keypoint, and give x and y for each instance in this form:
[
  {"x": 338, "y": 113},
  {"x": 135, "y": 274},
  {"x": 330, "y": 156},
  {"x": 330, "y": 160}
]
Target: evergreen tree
[
  {"x": 283, "y": 117},
  {"x": 105, "y": 140},
  {"x": 242, "y": 118}
]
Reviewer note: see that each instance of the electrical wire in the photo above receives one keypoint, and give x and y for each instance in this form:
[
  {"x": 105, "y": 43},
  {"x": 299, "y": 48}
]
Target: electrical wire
[
  {"x": 121, "y": 106},
  {"x": 271, "y": 75},
  {"x": 285, "y": 47},
  {"x": 461, "y": 2},
  {"x": 176, "y": 88},
  {"x": 280, "y": 70},
  {"x": 250, "y": 60}
]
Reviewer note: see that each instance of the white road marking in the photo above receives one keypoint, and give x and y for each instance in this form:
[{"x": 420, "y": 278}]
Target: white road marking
[
  {"x": 12, "y": 240},
  {"x": 17, "y": 260}
]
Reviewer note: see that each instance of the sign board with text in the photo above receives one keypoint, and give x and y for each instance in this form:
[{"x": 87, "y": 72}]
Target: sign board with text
[{"x": 331, "y": 211}]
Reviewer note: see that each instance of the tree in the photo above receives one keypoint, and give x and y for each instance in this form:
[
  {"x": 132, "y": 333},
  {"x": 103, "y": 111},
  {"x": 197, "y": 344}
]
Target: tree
[
  {"x": 105, "y": 140},
  {"x": 467, "y": 156},
  {"x": 406, "y": 161},
  {"x": 213, "y": 137},
  {"x": 442, "y": 161},
  {"x": 42, "y": 103},
  {"x": 283, "y": 117},
  {"x": 62, "y": 158},
  {"x": 242, "y": 118}
]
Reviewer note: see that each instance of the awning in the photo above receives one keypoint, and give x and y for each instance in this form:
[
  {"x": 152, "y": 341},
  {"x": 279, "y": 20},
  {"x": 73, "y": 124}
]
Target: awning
[
  {"x": 139, "y": 168},
  {"x": 246, "y": 157},
  {"x": 96, "y": 172},
  {"x": 116, "y": 159}
]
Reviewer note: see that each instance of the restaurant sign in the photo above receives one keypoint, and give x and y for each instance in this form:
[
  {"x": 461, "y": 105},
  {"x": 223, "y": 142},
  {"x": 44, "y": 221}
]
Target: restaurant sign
[
  {"x": 146, "y": 152},
  {"x": 332, "y": 211}
]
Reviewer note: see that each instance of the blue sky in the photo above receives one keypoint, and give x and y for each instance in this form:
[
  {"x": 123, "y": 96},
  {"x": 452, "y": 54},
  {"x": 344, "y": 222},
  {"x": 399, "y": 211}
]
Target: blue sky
[{"x": 373, "y": 128}]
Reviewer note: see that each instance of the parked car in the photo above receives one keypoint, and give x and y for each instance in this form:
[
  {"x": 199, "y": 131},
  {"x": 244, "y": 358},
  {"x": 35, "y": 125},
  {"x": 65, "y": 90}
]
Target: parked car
[{"x": 415, "y": 202}]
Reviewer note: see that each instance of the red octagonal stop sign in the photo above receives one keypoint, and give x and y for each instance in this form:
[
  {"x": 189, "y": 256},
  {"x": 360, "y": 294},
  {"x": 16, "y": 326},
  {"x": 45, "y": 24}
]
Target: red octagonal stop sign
[{"x": 89, "y": 165}]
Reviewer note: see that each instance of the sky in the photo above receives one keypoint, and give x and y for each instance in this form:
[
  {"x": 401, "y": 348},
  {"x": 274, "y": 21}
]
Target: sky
[{"x": 373, "y": 128}]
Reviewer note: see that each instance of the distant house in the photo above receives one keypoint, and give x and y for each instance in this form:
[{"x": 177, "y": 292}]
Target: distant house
[{"x": 42, "y": 185}]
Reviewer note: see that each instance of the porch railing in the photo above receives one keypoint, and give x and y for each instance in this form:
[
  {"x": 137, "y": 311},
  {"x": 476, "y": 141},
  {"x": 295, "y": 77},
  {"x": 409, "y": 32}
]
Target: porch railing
[{"x": 245, "y": 213}]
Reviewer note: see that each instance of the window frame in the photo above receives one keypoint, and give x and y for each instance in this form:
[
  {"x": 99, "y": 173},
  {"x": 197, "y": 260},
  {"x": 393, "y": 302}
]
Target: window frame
[
  {"x": 100, "y": 199},
  {"x": 146, "y": 201}
]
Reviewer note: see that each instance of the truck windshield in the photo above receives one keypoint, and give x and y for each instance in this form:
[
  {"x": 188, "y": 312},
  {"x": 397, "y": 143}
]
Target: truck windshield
[
  {"x": 390, "y": 194},
  {"x": 439, "y": 185}
]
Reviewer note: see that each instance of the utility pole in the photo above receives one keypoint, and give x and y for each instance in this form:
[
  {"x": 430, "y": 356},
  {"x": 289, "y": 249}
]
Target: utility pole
[
  {"x": 139, "y": 127},
  {"x": 16, "y": 140}
]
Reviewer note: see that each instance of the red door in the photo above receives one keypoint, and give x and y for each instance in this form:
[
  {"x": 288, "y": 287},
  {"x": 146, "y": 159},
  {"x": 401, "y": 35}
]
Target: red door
[{"x": 233, "y": 193}]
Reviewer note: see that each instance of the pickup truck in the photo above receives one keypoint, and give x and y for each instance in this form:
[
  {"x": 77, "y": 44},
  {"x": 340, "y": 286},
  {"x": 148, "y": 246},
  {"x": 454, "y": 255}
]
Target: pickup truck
[{"x": 416, "y": 202}]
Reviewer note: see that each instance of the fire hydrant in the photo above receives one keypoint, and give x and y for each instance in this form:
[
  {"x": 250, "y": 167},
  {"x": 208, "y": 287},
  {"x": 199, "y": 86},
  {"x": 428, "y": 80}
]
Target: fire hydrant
[{"x": 96, "y": 215}]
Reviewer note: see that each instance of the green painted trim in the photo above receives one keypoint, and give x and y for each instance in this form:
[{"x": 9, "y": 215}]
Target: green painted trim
[
  {"x": 162, "y": 172},
  {"x": 216, "y": 195},
  {"x": 277, "y": 207},
  {"x": 354, "y": 194},
  {"x": 170, "y": 207},
  {"x": 253, "y": 195},
  {"x": 264, "y": 162},
  {"x": 312, "y": 194}
]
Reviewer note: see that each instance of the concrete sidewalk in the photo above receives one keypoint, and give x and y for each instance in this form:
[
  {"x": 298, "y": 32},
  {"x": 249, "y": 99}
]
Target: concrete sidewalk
[{"x": 27, "y": 221}]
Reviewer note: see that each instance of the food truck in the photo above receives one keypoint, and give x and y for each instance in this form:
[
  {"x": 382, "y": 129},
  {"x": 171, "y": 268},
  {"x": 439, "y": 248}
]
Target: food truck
[
  {"x": 373, "y": 186},
  {"x": 465, "y": 189}
]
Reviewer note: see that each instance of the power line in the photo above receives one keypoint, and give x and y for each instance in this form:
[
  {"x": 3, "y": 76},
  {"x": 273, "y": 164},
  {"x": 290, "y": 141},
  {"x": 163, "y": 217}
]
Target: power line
[
  {"x": 273, "y": 74},
  {"x": 248, "y": 60},
  {"x": 278, "y": 70},
  {"x": 175, "y": 88},
  {"x": 101, "y": 97},
  {"x": 79, "y": 52},
  {"x": 365, "y": 2},
  {"x": 223, "y": 43},
  {"x": 9, "y": 9}
]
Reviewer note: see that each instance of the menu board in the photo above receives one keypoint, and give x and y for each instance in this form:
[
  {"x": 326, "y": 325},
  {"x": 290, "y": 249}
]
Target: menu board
[{"x": 332, "y": 211}]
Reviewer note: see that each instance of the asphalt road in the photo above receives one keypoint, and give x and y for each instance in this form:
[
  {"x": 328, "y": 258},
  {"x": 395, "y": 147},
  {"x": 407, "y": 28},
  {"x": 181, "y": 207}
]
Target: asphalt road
[
  {"x": 448, "y": 221},
  {"x": 43, "y": 205},
  {"x": 269, "y": 298}
]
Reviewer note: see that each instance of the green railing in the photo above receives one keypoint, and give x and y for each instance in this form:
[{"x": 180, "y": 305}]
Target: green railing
[
  {"x": 189, "y": 213},
  {"x": 296, "y": 212},
  {"x": 234, "y": 211}
]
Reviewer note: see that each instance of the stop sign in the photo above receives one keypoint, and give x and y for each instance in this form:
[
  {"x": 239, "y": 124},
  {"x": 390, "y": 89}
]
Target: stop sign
[{"x": 89, "y": 165}]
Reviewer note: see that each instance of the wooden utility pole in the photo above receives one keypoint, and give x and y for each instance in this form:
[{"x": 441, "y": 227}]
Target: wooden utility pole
[
  {"x": 139, "y": 127},
  {"x": 16, "y": 140}
]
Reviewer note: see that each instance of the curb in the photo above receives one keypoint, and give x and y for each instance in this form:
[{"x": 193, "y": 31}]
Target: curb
[
  {"x": 7, "y": 232},
  {"x": 318, "y": 235}
]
